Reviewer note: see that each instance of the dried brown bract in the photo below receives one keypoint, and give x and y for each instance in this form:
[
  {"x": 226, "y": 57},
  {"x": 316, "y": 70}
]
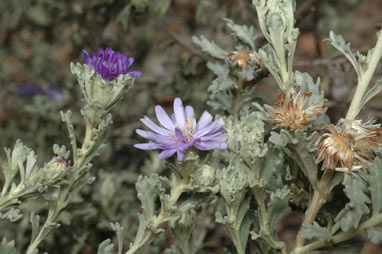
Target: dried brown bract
[
  {"x": 291, "y": 111},
  {"x": 244, "y": 58},
  {"x": 349, "y": 145}
]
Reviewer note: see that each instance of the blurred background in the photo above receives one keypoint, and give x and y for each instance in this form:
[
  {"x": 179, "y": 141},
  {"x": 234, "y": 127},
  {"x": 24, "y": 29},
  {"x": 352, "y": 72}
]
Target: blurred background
[{"x": 40, "y": 38}]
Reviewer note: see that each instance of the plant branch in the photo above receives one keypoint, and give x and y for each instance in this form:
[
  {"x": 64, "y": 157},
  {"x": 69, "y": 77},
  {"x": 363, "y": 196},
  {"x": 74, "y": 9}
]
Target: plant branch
[
  {"x": 318, "y": 200},
  {"x": 56, "y": 209},
  {"x": 163, "y": 216},
  {"x": 265, "y": 234},
  {"x": 341, "y": 237},
  {"x": 364, "y": 80}
]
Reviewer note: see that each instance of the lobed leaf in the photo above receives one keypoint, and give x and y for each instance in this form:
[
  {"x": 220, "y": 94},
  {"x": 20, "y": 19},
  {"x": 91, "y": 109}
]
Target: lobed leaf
[
  {"x": 375, "y": 185},
  {"x": 339, "y": 43},
  {"x": 376, "y": 89},
  {"x": 7, "y": 247},
  {"x": 242, "y": 32},
  {"x": 276, "y": 205},
  {"x": 355, "y": 189},
  {"x": 210, "y": 47},
  {"x": 315, "y": 231},
  {"x": 374, "y": 235}
]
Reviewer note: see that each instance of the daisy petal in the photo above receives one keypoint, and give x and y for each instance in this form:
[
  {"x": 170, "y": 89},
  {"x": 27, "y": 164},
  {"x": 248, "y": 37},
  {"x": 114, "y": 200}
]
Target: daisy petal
[
  {"x": 163, "y": 118},
  {"x": 155, "y": 127},
  {"x": 179, "y": 113},
  {"x": 204, "y": 120},
  {"x": 166, "y": 153}
]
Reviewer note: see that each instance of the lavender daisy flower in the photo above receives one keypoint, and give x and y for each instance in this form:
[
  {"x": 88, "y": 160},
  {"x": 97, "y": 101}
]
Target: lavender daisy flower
[
  {"x": 109, "y": 64},
  {"x": 28, "y": 90},
  {"x": 182, "y": 132},
  {"x": 54, "y": 93},
  {"x": 63, "y": 160}
]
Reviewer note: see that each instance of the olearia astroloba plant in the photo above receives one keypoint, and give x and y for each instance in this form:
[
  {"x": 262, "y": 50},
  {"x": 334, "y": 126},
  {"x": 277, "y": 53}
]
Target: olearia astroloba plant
[
  {"x": 242, "y": 169},
  {"x": 103, "y": 80},
  {"x": 259, "y": 173}
]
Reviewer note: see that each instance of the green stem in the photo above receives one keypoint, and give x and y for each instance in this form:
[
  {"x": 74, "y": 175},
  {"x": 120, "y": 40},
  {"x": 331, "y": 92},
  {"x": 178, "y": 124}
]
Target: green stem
[
  {"x": 265, "y": 234},
  {"x": 318, "y": 200},
  {"x": 341, "y": 237},
  {"x": 176, "y": 192},
  {"x": 238, "y": 95},
  {"x": 236, "y": 239},
  {"x": 364, "y": 80},
  {"x": 62, "y": 202}
]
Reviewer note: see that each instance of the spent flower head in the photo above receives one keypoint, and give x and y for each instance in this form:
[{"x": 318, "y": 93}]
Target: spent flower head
[
  {"x": 109, "y": 64},
  {"x": 181, "y": 132},
  {"x": 244, "y": 59},
  {"x": 349, "y": 145},
  {"x": 291, "y": 111}
]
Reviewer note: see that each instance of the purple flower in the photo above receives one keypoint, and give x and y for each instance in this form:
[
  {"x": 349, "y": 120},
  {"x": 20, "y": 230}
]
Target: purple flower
[
  {"x": 182, "y": 132},
  {"x": 109, "y": 64},
  {"x": 27, "y": 90},
  {"x": 24, "y": 90},
  {"x": 63, "y": 160},
  {"x": 54, "y": 93}
]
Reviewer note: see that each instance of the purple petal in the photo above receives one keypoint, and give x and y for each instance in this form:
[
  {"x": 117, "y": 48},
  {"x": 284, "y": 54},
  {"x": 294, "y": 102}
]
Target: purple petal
[
  {"x": 86, "y": 57},
  {"x": 179, "y": 134},
  {"x": 165, "y": 140},
  {"x": 219, "y": 138},
  {"x": 180, "y": 155},
  {"x": 129, "y": 61},
  {"x": 100, "y": 54},
  {"x": 222, "y": 146},
  {"x": 189, "y": 112},
  {"x": 166, "y": 153},
  {"x": 148, "y": 146},
  {"x": 135, "y": 73},
  {"x": 173, "y": 118},
  {"x": 216, "y": 125},
  {"x": 108, "y": 55},
  {"x": 179, "y": 113},
  {"x": 209, "y": 145},
  {"x": 163, "y": 118},
  {"x": 204, "y": 120},
  {"x": 155, "y": 127}
]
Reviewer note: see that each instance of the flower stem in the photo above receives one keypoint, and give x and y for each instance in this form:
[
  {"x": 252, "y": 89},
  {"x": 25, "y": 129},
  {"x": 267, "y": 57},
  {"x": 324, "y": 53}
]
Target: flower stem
[
  {"x": 164, "y": 216},
  {"x": 364, "y": 80},
  {"x": 341, "y": 237},
  {"x": 319, "y": 199},
  {"x": 55, "y": 210},
  {"x": 258, "y": 193}
]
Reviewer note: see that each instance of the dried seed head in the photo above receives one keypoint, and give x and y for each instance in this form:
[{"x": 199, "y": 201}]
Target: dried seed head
[
  {"x": 349, "y": 145},
  {"x": 244, "y": 58},
  {"x": 291, "y": 111}
]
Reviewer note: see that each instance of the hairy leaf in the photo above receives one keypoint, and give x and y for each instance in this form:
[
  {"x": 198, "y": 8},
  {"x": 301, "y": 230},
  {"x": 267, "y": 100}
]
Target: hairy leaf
[
  {"x": 343, "y": 248},
  {"x": 339, "y": 43},
  {"x": 222, "y": 81},
  {"x": 374, "y": 235},
  {"x": 242, "y": 32},
  {"x": 355, "y": 189},
  {"x": 210, "y": 47},
  {"x": 271, "y": 164},
  {"x": 375, "y": 185},
  {"x": 7, "y": 247},
  {"x": 106, "y": 247},
  {"x": 148, "y": 189},
  {"x": 315, "y": 231},
  {"x": 276, "y": 205},
  {"x": 12, "y": 215},
  {"x": 376, "y": 89}
]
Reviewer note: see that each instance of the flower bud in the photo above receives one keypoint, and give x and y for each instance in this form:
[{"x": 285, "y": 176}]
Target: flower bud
[{"x": 55, "y": 170}]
